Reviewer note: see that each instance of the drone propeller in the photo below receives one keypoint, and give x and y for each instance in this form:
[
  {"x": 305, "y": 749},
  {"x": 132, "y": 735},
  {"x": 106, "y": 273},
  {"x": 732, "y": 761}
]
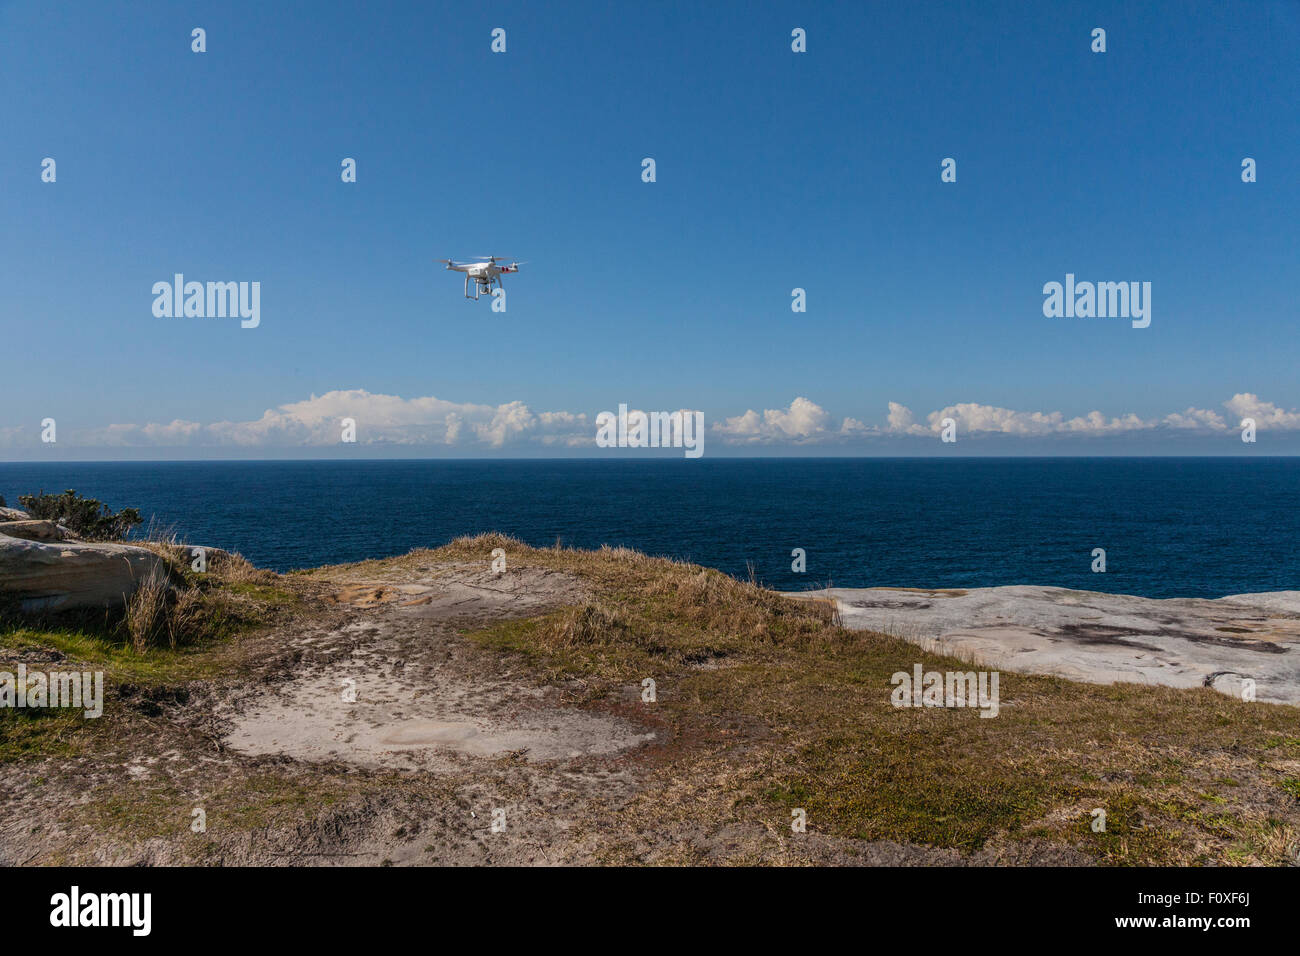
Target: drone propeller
[{"x": 514, "y": 264}]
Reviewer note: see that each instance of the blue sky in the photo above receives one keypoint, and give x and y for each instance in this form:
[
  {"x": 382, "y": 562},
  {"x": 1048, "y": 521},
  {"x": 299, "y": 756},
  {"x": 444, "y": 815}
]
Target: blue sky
[{"x": 775, "y": 170}]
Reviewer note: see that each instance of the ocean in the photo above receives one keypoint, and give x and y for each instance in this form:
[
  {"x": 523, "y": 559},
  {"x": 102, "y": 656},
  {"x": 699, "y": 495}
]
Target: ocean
[{"x": 1170, "y": 527}]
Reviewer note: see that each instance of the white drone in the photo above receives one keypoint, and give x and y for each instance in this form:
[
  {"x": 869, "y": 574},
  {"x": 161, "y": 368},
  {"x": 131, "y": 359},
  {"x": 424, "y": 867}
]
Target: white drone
[{"x": 484, "y": 271}]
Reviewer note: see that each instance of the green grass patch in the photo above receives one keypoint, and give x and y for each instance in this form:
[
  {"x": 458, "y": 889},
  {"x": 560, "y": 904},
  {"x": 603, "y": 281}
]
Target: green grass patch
[
  {"x": 263, "y": 593},
  {"x": 29, "y": 734},
  {"x": 120, "y": 662}
]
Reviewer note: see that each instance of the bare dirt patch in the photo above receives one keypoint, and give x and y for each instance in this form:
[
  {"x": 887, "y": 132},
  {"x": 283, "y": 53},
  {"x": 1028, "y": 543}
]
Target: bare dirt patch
[{"x": 409, "y": 693}]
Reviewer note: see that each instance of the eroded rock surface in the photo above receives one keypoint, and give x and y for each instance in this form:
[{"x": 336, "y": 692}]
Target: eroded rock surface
[
  {"x": 35, "y": 530},
  {"x": 1098, "y": 638},
  {"x": 61, "y": 575}
]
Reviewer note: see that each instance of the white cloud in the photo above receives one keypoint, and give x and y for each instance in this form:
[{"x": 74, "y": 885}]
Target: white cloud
[
  {"x": 177, "y": 433},
  {"x": 1196, "y": 418},
  {"x": 1266, "y": 414},
  {"x": 804, "y": 421},
  {"x": 902, "y": 420},
  {"x": 972, "y": 417},
  {"x": 430, "y": 421},
  {"x": 391, "y": 419},
  {"x": 317, "y": 421}
]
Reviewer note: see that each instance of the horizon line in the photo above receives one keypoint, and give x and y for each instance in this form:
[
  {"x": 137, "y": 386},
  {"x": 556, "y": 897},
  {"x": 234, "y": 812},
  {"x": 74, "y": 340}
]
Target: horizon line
[{"x": 644, "y": 458}]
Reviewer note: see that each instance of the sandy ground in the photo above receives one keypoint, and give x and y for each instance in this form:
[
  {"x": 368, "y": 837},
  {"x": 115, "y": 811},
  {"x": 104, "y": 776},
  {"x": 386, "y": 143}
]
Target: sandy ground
[
  {"x": 1096, "y": 637},
  {"x": 400, "y": 696}
]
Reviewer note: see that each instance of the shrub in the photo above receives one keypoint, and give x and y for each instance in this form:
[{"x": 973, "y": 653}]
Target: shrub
[{"x": 86, "y": 517}]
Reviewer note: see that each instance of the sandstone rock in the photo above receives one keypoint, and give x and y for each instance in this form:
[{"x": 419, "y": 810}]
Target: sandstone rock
[
  {"x": 13, "y": 514},
  {"x": 61, "y": 575},
  {"x": 1096, "y": 637},
  {"x": 35, "y": 530}
]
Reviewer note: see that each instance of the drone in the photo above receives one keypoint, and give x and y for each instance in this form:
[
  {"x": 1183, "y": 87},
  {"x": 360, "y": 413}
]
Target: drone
[{"x": 484, "y": 271}]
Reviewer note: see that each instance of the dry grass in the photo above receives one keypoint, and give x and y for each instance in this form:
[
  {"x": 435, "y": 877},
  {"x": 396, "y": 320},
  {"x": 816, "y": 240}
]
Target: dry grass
[
  {"x": 159, "y": 614},
  {"x": 181, "y": 605},
  {"x": 223, "y": 567},
  {"x": 146, "y": 618}
]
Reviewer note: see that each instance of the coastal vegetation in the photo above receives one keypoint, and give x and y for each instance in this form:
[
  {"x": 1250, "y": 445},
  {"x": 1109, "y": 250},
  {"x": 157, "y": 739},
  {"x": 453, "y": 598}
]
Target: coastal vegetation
[
  {"x": 762, "y": 707},
  {"x": 85, "y": 517}
]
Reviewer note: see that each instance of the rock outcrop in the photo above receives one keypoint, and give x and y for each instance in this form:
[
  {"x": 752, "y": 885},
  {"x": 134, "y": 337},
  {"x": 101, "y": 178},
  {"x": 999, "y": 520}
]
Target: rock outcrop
[
  {"x": 57, "y": 575},
  {"x": 1096, "y": 637},
  {"x": 36, "y": 531}
]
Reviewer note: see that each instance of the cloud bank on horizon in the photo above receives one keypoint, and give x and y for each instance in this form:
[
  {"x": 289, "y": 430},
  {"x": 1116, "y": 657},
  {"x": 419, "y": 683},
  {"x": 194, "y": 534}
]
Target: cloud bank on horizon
[{"x": 429, "y": 421}]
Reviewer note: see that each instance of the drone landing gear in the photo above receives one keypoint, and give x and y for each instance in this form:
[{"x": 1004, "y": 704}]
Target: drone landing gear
[{"x": 481, "y": 287}]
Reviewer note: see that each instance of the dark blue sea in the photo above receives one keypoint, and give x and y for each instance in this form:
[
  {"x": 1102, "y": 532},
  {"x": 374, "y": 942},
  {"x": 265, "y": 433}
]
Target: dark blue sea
[{"x": 1170, "y": 526}]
